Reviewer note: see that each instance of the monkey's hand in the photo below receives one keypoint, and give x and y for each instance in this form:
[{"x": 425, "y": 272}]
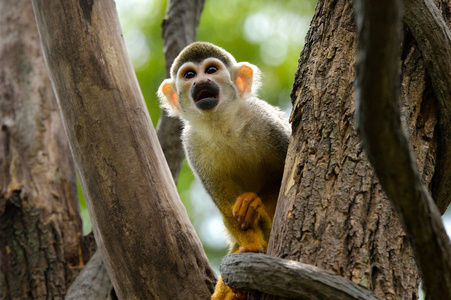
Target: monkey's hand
[
  {"x": 248, "y": 209},
  {"x": 254, "y": 223}
]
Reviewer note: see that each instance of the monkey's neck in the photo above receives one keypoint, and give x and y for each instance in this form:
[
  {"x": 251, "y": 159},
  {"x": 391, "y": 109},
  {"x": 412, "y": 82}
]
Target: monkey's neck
[{"x": 223, "y": 122}]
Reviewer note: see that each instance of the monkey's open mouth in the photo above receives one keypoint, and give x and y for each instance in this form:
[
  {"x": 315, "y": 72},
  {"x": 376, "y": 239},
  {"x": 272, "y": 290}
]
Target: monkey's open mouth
[{"x": 206, "y": 95}]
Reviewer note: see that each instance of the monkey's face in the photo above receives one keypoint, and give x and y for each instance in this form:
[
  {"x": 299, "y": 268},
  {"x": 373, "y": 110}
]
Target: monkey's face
[
  {"x": 203, "y": 86},
  {"x": 207, "y": 89}
]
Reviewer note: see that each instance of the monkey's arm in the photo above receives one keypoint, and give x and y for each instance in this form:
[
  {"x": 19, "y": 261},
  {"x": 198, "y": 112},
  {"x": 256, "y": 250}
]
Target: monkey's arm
[{"x": 244, "y": 215}]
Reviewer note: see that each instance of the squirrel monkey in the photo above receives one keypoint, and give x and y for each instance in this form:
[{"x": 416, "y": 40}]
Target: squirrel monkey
[{"x": 235, "y": 143}]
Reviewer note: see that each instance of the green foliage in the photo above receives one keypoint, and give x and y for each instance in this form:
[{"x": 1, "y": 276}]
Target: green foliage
[{"x": 269, "y": 34}]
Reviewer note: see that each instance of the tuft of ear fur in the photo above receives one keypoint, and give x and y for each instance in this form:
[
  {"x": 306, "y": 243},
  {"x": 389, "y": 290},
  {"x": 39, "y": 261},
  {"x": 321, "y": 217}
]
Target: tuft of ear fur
[
  {"x": 246, "y": 77},
  {"x": 167, "y": 93}
]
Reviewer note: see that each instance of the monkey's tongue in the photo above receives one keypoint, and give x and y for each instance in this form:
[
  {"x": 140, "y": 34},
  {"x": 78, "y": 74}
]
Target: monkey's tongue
[{"x": 205, "y": 94}]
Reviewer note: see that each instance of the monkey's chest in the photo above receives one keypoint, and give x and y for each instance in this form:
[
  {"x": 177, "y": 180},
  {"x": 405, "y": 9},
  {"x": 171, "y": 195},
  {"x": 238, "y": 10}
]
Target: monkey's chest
[{"x": 240, "y": 162}]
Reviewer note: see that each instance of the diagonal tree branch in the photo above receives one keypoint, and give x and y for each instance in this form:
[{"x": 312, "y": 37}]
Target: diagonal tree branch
[
  {"x": 433, "y": 37},
  {"x": 148, "y": 245},
  {"x": 379, "y": 124},
  {"x": 179, "y": 29}
]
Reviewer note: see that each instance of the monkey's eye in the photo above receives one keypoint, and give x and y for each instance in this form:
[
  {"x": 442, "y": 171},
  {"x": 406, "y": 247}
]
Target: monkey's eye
[
  {"x": 189, "y": 74},
  {"x": 211, "y": 69}
]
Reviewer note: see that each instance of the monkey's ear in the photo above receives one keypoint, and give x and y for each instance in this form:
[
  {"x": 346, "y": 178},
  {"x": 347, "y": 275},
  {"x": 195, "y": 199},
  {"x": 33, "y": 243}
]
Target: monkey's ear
[
  {"x": 246, "y": 78},
  {"x": 167, "y": 93}
]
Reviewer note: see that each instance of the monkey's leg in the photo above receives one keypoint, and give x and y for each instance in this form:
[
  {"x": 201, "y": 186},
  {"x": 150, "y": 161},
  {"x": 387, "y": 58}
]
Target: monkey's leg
[{"x": 249, "y": 240}]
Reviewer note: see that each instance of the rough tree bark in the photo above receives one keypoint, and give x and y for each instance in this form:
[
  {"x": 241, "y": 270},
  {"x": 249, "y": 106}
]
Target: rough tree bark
[
  {"x": 332, "y": 211},
  {"x": 39, "y": 218},
  {"x": 143, "y": 232}
]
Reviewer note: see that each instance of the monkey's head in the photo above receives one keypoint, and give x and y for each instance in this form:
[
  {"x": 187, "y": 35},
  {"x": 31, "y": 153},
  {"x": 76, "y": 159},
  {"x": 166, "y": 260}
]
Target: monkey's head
[{"x": 205, "y": 78}]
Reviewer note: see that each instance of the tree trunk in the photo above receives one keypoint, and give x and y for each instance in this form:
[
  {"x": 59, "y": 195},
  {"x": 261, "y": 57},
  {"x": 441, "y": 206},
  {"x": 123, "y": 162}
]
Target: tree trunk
[
  {"x": 332, "y": 211},
  {"x": 147, "y": 243},
  {"x": 39, "y": 218}
]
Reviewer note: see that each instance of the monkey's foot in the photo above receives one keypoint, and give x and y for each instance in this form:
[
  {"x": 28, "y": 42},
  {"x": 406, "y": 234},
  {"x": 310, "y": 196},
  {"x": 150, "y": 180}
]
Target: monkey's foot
[
  {"x": 223, "y": 292},
  {"x": 247, "y": 210},
  {"x": 253, "y": 248}
]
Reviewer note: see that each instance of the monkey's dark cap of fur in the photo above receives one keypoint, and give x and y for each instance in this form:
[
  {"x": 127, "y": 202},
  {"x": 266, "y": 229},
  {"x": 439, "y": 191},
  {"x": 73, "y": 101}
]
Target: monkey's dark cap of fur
[{"x": 197, "y": 52}]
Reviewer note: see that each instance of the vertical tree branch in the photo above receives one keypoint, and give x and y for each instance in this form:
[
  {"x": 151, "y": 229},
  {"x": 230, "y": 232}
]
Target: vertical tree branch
[
  {"x": 143, "y": 232},
  {"x": 379, "y": 123},
  {"x": 179, "y": 30}
]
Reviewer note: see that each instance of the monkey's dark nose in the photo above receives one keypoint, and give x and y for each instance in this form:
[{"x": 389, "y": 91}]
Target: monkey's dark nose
[{"x": 205, "y": 94}]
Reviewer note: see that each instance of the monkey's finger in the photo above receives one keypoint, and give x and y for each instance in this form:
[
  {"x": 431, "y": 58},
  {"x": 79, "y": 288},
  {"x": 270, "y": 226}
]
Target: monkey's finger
[
  {"x": 251, "y": 214},
  {"x": 247, "y": 199},
  {"x": 237, "y": 206}
]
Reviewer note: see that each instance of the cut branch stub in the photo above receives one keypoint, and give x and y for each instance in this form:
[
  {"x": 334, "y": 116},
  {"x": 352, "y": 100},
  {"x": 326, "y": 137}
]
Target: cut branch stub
[{"x": 286, "y": 278}]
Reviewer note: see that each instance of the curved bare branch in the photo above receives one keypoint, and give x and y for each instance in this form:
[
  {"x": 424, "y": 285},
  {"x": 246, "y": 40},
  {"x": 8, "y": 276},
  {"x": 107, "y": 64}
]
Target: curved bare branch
[
  {"x": 379, "y": 123},
  {"x": 433, "y": 37}
]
